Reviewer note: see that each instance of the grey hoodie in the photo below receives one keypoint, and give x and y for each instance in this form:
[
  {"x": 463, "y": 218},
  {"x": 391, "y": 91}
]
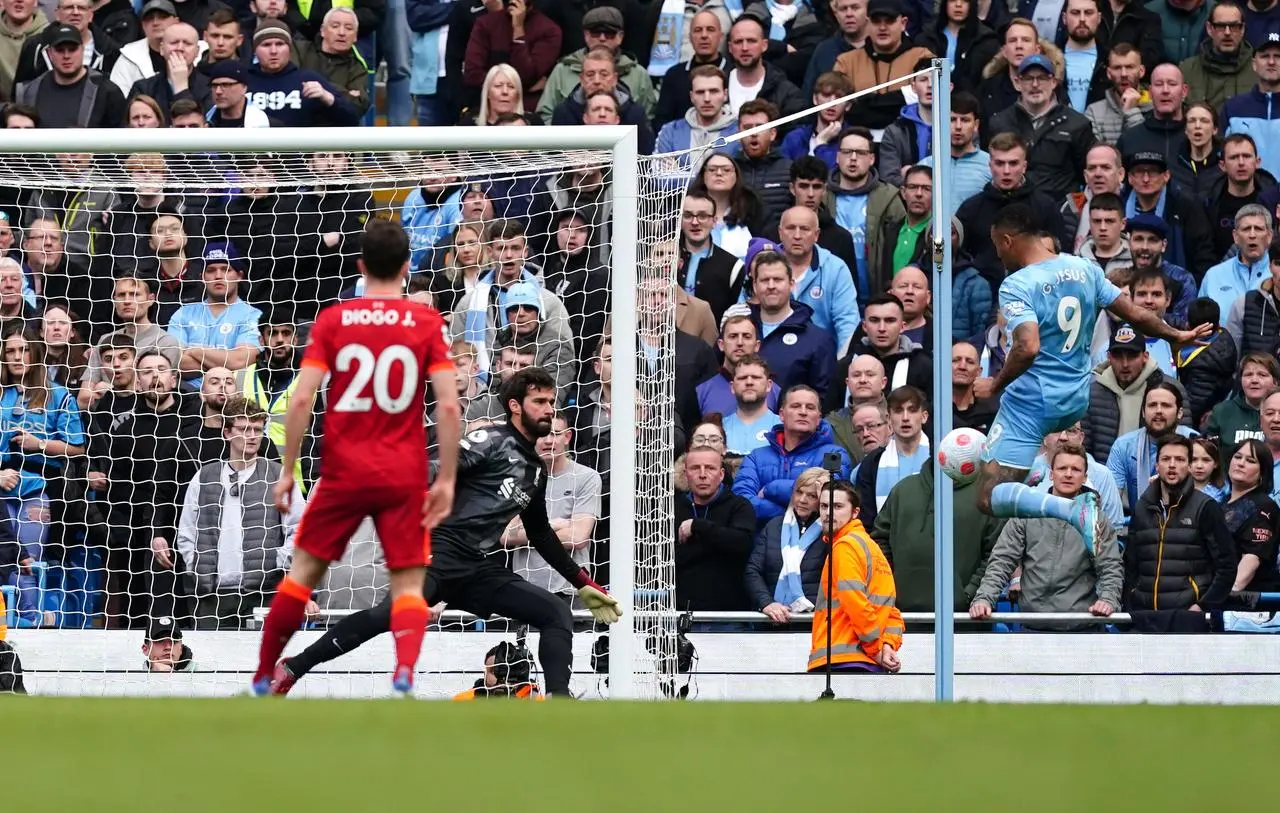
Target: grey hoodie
[
  {"x": 700, "y": 136},
  {"x": 1122, "y": 260}
]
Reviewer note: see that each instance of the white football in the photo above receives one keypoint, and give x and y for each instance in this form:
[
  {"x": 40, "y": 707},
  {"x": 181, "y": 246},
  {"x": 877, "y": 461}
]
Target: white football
[{"x": 960, "y": 453}]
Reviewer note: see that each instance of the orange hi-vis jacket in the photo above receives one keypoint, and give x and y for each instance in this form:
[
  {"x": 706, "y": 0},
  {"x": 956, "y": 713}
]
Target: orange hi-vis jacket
[{"x": 865, "y": 618}]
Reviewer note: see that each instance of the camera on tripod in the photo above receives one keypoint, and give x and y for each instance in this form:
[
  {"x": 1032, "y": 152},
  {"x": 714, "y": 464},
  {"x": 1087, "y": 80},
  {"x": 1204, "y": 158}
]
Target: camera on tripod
[{"x": 674, "y": 654}]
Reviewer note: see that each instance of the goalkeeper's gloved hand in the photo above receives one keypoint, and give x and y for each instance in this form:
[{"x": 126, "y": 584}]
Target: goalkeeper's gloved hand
[{"x": 603, "y": 607}]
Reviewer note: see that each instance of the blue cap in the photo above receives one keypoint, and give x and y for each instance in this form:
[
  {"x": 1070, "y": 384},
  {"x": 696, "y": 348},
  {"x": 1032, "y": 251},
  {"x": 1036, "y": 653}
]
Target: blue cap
[
  {"x": 523, "y": 293},
  {"x": 223, "y": 253},
  {"x": 1149, "y": 223},
  {"x": 1036, "y": 61}
]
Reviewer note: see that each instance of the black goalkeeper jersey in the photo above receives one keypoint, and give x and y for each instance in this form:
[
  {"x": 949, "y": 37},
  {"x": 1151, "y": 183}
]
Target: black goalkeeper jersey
[{"x": 499, "y": 476}]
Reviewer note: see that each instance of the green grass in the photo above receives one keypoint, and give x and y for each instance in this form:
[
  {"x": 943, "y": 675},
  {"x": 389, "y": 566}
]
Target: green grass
[{"x": 189, "y": 756}]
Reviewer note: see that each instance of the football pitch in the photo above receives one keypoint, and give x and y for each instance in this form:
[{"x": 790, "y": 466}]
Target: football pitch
[{"x": 186, "y": 756}]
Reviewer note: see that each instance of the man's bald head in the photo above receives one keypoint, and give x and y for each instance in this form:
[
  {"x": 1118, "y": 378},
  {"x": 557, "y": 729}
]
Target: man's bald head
[
  {"x": 866, "y": 379},
  {"x": 182, "y": 39},
  {"x": 798, "y": 231}
]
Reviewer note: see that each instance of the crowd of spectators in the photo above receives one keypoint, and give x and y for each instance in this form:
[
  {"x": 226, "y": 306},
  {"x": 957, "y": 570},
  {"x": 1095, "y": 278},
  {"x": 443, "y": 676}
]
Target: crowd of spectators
[{"x": 151, "y": 336}]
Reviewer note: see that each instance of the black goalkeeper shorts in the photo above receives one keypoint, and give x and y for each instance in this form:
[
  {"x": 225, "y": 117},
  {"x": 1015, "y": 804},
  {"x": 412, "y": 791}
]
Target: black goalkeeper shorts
[{"x": 465, "y": 583}]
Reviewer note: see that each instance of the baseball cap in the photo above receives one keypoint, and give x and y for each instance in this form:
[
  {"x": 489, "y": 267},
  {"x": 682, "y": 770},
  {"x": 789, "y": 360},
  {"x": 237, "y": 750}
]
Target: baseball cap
[
  {"x": 272, "y": 29},
  {"x": 1272, "y": 40},
  {"x": 222, "y": 253},
  {"x": 61, "y": 34},
  {"x": 163, "y": 628},
  {"x": 226, "y": 69},
  {"x": 1127, "y": 339},
  {"x": 1036, "y": 61},
  {"x": 1147, "y": 157},
  {"x": 523, "y": 293},
  {"x": 884, "y": 8},
  {"x": 603, "y": 18},
  {"x": 1149, "y": 223},
  {"x": 158, "y": 5}
]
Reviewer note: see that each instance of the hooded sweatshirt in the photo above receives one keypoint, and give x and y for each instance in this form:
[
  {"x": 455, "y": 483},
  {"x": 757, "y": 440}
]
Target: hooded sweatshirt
[
  {"x": 1128, "y": 399},
  {"x": 689, "y": 134},
  {"x": 905, "y": 142},
  {"x": 11, "y": 42}
]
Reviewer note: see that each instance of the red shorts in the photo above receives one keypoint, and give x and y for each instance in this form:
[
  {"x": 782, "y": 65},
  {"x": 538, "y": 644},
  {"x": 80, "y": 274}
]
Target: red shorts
[{"x": 335, "y": 511}]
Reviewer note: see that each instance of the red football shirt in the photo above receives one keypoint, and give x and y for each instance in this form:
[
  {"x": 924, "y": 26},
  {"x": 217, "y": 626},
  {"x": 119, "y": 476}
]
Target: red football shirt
[{"x": 379, "y": 354}]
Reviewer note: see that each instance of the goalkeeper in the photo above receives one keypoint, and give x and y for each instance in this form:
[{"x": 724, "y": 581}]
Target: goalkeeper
[{"x": 499, "y": 475}]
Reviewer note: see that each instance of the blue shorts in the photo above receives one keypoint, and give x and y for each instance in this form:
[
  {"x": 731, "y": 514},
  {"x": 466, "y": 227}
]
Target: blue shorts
[{"x": 1019, "y": 428}]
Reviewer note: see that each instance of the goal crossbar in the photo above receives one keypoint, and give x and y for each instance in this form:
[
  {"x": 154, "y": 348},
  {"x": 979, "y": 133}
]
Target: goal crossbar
[{"x": 318, "y": 139}]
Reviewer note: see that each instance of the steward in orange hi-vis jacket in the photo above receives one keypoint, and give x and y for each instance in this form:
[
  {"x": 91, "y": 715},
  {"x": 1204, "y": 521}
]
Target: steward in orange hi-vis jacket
[{"x": 863, "y": 616}]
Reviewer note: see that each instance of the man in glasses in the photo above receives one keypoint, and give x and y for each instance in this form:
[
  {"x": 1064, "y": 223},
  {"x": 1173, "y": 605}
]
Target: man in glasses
[
  {"x": 525, "y": 326},
  {"x": 1223, "y": 67},
  {"x": 705, "y": 270},
  {"x": 231, "y": 538},
  {"x": 1054, "y": 164}
]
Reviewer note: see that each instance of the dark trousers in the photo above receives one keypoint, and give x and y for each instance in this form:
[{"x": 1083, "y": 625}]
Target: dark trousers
[{"x": 481, "y": 587}]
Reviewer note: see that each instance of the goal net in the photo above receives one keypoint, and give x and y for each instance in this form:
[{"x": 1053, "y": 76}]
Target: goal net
[{"x": 156, "y": 290}]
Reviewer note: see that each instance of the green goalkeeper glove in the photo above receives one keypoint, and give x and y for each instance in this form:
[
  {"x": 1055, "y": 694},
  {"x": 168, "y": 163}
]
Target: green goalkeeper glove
[{"x": 603, "y": 607}]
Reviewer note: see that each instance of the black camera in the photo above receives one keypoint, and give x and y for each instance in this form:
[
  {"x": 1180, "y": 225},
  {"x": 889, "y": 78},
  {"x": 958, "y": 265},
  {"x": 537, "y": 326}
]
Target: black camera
[
  {"x": 833, "y": 462},
  {"x": 679, "y": 661}
]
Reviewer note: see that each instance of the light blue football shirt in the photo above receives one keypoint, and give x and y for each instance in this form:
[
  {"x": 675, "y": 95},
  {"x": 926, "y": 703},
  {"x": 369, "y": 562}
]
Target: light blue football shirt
[{"x": 1064, "y": 296}]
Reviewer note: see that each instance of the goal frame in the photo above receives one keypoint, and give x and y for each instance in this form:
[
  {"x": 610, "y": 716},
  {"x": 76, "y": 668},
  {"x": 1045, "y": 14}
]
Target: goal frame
[{"x": 623, "y": 145}]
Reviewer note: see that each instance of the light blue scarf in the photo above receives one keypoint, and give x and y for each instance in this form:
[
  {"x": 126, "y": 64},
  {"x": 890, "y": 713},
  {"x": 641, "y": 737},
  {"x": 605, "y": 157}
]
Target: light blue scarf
[
  {"x": 1131, "y": 205},
  {"x": 794, "y": 544}
]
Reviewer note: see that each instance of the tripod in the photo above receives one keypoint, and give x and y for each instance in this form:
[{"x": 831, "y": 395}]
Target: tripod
[{"x": 828, "y": 693}]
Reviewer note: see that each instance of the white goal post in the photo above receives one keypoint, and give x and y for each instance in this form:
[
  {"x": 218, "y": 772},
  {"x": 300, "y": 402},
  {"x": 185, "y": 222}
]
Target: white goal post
[{"x": 644, "y": 213}]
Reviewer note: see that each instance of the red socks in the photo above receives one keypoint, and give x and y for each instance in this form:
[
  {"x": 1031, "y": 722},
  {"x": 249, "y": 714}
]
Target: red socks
[
  {"x": 409, "y": 616},
  {"x": 288, "y": 609}
]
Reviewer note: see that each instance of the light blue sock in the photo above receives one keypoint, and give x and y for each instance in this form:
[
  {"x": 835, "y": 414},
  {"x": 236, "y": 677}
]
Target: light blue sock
[{"x": 1020, "y": 501}]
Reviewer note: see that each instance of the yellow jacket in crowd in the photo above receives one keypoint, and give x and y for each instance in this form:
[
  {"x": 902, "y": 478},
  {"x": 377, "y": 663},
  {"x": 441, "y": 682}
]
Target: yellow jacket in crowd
[{"x": 865, "y": 615}]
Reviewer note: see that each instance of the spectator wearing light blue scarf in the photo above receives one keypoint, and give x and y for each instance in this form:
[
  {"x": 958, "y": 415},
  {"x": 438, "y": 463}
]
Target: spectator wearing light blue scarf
[{"x": 785, "y": 567}]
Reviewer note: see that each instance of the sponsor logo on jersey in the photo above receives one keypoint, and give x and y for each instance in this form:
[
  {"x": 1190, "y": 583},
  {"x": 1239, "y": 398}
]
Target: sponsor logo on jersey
[{"x": 510, "y": 491}]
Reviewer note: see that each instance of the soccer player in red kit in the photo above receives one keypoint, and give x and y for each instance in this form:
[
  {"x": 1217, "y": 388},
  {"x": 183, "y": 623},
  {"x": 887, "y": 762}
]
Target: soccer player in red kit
[{"x": 378, "y": 351}]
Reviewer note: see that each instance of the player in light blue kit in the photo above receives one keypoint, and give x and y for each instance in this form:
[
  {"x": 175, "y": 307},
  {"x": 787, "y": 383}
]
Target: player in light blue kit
[{"x": 1049, "y": 304}]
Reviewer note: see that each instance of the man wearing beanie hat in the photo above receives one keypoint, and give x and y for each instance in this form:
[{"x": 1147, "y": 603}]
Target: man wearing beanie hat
[
  {"x": 290, "y": 96},
  {"x": 526, "y": 326}
]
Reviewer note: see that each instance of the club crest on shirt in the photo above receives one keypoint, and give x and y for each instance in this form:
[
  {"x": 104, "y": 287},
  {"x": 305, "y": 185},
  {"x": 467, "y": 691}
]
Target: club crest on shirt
[
  {"x": 790, "y": 339},
  {"x": 816, "y": 292}
]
